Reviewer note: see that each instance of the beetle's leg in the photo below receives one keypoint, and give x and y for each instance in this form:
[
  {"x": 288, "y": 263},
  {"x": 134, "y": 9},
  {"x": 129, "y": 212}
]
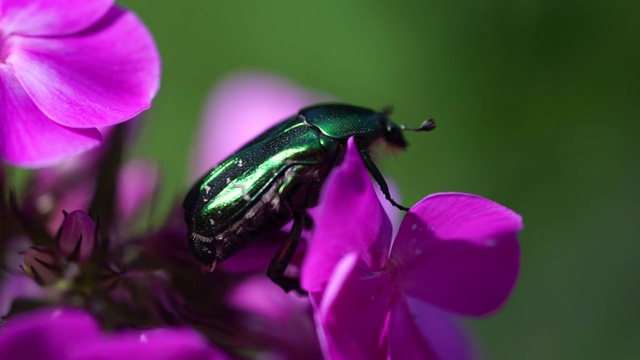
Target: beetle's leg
[
  {"x": 308, "y": 222},
  {"x": 373, "y": 170},
  {"x": 280, "y": 262}
]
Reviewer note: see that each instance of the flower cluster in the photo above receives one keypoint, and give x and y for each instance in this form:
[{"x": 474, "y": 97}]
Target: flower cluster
[
  {"x": 72, "y": 244},
  {"x": 376, "y": 298},
  {"x": 74, "y": 334}
]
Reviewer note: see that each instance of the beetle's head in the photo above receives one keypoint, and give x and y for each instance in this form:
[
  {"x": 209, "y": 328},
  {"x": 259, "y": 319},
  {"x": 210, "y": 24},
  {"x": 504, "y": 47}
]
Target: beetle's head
[{"x": 393, "y": 134}]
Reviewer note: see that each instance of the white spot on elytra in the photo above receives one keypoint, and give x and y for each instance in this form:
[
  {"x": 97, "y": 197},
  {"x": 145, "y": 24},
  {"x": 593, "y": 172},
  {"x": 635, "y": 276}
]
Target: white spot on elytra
[
  {"x": 212, "y": 222},
  {"x": 228, "y": 180},
  {"x": 243, "y": 188},
  {"x": 240, "y": 163},
  {"x": 207, "y": 189},
  {"x": 200, "y": 238},
  {"x": 275, "y": 202}
]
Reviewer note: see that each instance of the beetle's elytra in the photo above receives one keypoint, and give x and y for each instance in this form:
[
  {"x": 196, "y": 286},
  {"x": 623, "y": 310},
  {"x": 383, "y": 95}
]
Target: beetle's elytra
[{"x": 277, "y": 176}]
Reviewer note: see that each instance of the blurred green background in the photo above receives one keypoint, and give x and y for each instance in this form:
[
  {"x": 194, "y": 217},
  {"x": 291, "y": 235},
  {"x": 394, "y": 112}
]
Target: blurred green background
[{"x": 537, "y": 104}]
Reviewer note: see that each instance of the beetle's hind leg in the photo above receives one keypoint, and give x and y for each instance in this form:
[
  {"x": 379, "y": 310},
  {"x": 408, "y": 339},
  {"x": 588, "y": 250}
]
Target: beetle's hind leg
[{"x": 282, "y": 259}]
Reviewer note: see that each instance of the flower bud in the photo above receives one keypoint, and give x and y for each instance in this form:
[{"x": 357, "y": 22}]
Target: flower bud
[
  {"x": 42, "y": 264},
  {"x": 77, "y": 236}
]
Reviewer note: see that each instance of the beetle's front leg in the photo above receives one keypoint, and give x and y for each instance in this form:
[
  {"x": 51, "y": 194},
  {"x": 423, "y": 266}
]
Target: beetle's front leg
[
  {"x": 377, "y": 176},
  {"x": 282, "y": 259}
]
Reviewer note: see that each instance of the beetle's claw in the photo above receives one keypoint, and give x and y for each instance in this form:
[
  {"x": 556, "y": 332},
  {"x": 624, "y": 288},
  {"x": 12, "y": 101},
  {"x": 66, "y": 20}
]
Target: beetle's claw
[
  {"x": 395, "y": 204},
  {"x": 401, "y": 207},
  {"x": 287, "y": 284}
]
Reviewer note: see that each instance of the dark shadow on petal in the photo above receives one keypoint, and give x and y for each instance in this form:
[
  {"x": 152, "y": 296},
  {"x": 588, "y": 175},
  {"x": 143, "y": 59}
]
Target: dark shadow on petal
[{"x": 111, "y": 17}]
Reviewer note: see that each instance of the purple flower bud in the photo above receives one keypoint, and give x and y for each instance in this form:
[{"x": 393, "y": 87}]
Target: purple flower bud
[
  {"x": 42, "y": 264},
  {"x": 77, "y": 236}
]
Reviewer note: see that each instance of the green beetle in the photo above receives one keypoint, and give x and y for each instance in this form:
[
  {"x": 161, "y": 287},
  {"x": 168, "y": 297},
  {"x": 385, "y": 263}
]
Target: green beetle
[{"x": 277, "y": 176}]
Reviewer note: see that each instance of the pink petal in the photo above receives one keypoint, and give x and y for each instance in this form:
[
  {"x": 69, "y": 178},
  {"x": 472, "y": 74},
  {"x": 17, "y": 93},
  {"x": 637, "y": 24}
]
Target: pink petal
[
  {"x": 46, "y": 334},
  {"x": 160, "y": 344},
  {"x": 256, "y": 256},
  {"x": 353, "y": 312},
  {"x": 50, "y": 17},
  {"x": 260, "y": 296},
  {"x": 29, "y": 138},
  {"x": 394, "y": 214},
  {"x": 280, "y": 324},
  {"x": 239, "y": 109},
  {"x": 459, "y": 252},
  {"x": 419, "y": 331},
  {"x": 15, "y": 287},
  {"x": 350, "y": 219},
  {"x": 137, "y": 182},
  {"x": 67, "y": 197},
  {"x": 96, "y": 78}
]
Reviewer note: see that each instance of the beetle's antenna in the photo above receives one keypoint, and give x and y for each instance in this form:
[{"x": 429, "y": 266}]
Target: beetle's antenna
[{"x": 426, "y": 125}]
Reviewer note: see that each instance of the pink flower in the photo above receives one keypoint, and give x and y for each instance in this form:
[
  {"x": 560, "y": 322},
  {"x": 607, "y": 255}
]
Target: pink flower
[
  {"x": 73, "y": 334},
  {"x": 278, "y": 323},
  {"x": 67, "y": 68},
  {"x": 377, "y": 299}
]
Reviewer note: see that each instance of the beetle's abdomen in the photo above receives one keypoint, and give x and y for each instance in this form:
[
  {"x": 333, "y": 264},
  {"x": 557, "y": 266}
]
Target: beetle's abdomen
[{"x": 258, "y": 189}]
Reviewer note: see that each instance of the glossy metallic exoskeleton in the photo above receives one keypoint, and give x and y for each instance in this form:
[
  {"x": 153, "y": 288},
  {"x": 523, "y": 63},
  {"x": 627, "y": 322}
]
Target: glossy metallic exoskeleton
[{"x": 277, "y": 176}]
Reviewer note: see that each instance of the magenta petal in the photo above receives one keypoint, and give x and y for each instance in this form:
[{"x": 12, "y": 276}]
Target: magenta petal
[
  {"x": 15, "y": 287},
  {"x": 50, "y": 17},
  {"x": 256, "y": 256},
  {"x": 47, "y": 334},
  {"x": 29, "y": 138},
  {"x": 394, "y": 214},
  {"x": 459, "y": 252},
  {"x": 96, "y": 78},
  {"x": 350, "y": 219},
  {"x": 239, "y": 109},
  {"x": 258, "y": 295},
  {"x": 353, "y": 312},
  {"x": 137, "y": 182},
  {"x": 419, "y": 331},
  {"x": 159, "y": 344}
]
